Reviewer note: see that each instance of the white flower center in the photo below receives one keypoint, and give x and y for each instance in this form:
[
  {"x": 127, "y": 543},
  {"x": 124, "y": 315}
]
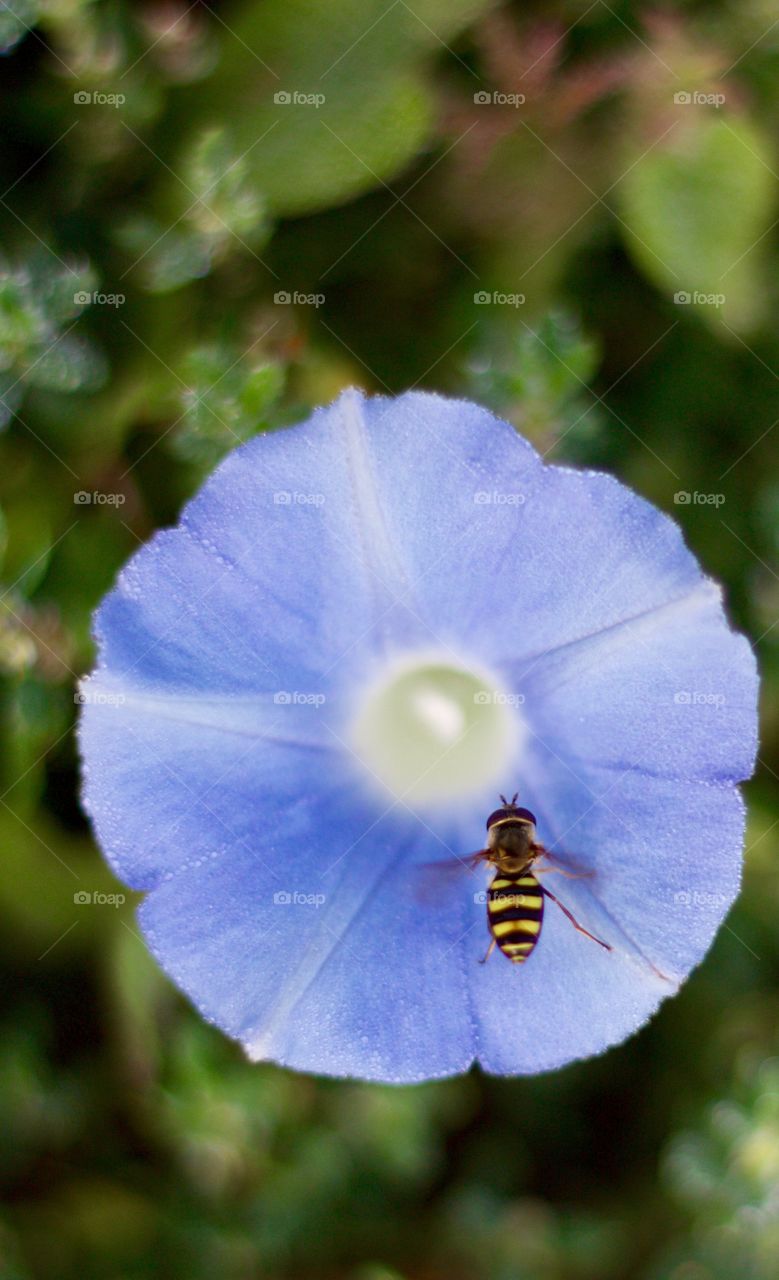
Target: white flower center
[{"x": 433, "y": 733}]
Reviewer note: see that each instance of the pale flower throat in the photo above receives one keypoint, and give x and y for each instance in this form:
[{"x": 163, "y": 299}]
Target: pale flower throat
[{"x": 434, "y": 732}]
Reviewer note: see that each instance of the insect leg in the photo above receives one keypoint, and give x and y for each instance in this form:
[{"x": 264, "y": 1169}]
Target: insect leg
[
  {"x": 575, "y": 922},
  {"x": 658, "y": 972},
  {"x": 484, "y": 959}
]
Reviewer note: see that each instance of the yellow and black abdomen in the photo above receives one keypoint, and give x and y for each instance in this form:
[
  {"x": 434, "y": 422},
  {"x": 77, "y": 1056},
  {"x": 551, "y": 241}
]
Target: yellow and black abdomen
[{"x": 515, "y": 909}]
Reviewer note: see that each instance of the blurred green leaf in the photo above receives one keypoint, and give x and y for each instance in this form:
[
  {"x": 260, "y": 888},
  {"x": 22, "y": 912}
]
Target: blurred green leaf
[
  {"x": 16, "y": 19},
  {"x": 39, "y": 301},
  {"x": 72, "y": 364},
  {"x": 537, "y": 377},
  {"x": 361, "y": 136},
  {"x": 726, "y": 1174},
  {"x": 18, "y": 650},
  {"x": 168, "y": 256},
  {"x": 227, "y": 399},
  {"x": 228, "y": 199},
  {"x": 697, "y": 206},
  {"x": 319, "y": 115},
  {"x": 28, "y": 539},
  {"x": 377, "y": 107}
]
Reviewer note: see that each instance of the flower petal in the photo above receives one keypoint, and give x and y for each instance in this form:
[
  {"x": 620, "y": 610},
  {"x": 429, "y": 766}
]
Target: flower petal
[
  {"x": 519, "y": 557},
  {"x": 588, "y": 555},
  {"x": 672, "y": 692},
  {"x": 451, "y": 482},
  {"x": 657, "y": 847},
  {"x": 355, "y": 984},
  {"x": 666, "y": 862},
  {"x": 244, "y": 593},
  {"x": 171, "y": 782}
]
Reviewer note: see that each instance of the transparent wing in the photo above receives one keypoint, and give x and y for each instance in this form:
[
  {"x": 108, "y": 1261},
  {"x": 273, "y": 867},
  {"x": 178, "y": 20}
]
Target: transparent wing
[
  {"x": 563, "y": 863},
  {"x": 433, "y": 879}
]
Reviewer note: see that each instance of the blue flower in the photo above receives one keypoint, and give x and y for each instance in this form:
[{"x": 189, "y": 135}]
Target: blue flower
[{"x": 362, "y": 630}]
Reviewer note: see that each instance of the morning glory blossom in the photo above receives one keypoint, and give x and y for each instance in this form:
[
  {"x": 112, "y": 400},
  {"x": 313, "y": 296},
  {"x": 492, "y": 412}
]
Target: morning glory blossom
[{"x": 360, "y": 632}]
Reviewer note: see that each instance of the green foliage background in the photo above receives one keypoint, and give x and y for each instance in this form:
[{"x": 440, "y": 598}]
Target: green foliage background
[{"x": 136, "y": 1140}]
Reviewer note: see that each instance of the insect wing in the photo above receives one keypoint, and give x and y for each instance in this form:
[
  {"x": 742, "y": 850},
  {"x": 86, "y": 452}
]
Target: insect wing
[
  {"x": 566, "y": 865},
  {"x": 434, "y": 879}
]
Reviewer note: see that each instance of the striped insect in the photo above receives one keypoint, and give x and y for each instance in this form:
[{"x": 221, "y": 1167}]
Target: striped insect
[{"x": 515, "y": 898}]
